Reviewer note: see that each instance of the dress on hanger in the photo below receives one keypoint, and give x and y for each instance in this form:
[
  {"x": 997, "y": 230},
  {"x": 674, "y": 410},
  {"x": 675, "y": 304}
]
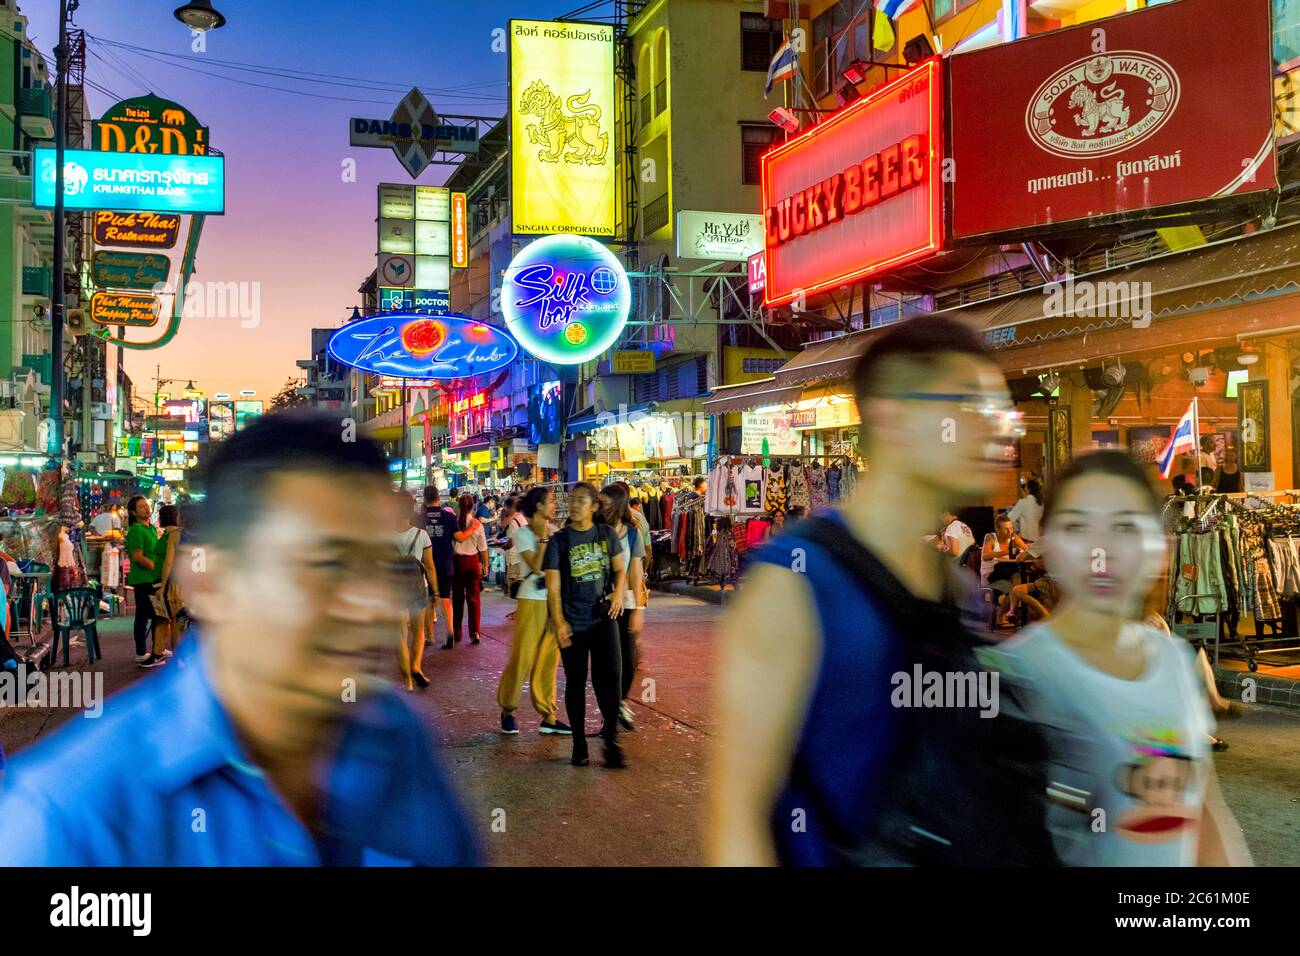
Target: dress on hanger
[
  {"x": 799, "y": 488},
  {"x": 833, "y": 481},
  {"x": 817, "y": 488},
  {"x": 775, "y": 498}
]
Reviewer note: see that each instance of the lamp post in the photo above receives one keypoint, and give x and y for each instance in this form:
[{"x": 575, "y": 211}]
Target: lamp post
[{"x": 198, "y": 15}]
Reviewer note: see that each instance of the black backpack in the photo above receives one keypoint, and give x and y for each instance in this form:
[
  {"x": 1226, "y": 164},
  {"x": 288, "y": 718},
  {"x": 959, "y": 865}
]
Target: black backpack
[{"x": 961, "y": 790}]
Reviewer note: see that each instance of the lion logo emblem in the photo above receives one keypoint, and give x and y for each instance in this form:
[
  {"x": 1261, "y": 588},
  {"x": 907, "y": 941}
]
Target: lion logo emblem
[
  {"x": 577, "y": 131},
  {"x": 1104, "y": 104}
]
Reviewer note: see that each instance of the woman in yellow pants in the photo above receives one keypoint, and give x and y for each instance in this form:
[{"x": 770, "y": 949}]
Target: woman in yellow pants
[{"x": 534, "y": 654}]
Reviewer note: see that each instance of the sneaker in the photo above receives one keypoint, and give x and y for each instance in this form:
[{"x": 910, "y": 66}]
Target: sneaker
[
  {"x": 152, "y": 661},
  {"x": 556, "y": 727},
  {"x": 625, "y": 716},
  {"x": 579, "y": 758},
  {"x": 167, "y": 652},
  {"x": 614, "y": 759},
  {"x": 141, "y": 658},
  {"x": 508, "y": 724}
]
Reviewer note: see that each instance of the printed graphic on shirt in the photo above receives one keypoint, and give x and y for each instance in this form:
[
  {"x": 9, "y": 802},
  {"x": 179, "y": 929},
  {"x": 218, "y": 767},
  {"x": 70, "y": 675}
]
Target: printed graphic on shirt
[
  {"x": 753, "y": 494},
  {"x": 587, "y": 562},
  {"x": 1160, "y": 775}
]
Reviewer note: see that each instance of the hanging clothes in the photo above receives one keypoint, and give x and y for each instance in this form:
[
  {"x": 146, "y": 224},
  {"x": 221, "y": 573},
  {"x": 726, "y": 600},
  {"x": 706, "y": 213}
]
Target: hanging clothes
[
  {"x": 817, "y": 492},
  {"x": 751, "y": 477},
  {"x": 834, "y": 476},
  {"x": 799, "y": 487},
  {"x": 775, "y": 498}
]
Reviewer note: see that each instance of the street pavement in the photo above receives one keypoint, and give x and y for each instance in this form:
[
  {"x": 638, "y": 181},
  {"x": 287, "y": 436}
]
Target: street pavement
[{"x": 531, "y": 808}]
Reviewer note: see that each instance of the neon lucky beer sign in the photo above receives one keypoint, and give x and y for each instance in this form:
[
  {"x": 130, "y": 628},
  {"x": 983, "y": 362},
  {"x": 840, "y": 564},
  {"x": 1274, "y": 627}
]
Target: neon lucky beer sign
[
  {"x": 859, "y": 194},
  {"x": 421, "y": 346},
  {"x": 566, "y": 298}
]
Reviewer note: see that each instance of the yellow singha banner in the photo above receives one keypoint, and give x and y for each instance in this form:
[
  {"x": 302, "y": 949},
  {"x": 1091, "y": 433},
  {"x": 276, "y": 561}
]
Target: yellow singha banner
[{"x": 562, "y": 117}]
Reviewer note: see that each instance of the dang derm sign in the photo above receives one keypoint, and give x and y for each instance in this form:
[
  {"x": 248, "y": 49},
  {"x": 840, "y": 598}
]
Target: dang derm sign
[
  {"x": 566, "y": 299},
  {"x": 419, "y": 345}
]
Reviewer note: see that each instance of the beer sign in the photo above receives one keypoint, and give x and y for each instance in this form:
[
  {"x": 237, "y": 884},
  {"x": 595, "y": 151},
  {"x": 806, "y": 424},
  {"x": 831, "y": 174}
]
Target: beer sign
[
  {"x": 125, "y": 308},
  {"x": 129, "y": 270},
  {"x": 145, "y": 230},
  {"x": 149, "y": 124}
]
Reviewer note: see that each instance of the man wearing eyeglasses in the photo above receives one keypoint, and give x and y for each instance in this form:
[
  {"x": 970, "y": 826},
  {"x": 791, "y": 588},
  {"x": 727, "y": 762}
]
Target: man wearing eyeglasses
[{"x": 811, "y": 748}]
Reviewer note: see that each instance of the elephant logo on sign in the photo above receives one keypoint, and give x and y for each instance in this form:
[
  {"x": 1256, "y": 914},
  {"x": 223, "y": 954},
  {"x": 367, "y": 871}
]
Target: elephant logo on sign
[{"x": 173, "y": 117}]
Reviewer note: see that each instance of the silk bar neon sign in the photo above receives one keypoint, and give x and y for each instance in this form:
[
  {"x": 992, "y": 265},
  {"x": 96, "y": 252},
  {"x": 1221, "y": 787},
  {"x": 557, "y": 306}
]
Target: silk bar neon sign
[{"x": 878, "y": 177}]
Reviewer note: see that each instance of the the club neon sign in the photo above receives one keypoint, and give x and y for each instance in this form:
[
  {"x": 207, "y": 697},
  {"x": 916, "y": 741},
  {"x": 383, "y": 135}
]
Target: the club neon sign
[
  {"x": 566, "y": 299},
  {"x": 412, "y": 345},
  {"x": 859, "y": 194}
]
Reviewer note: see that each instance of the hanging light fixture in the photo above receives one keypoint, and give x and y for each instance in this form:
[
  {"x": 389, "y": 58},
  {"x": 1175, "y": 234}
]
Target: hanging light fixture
[
  {"x": 1249, "y": 355},
  {"x": 200, "y": 15}
]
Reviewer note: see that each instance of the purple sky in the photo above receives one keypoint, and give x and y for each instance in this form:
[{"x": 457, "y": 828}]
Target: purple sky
[{"x": 292, "y": 226}]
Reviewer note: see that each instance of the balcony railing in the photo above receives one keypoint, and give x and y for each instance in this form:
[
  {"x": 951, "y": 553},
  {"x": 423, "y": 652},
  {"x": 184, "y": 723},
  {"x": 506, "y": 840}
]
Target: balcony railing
[
  {"x": 41, "y": 363},
  {"x": 656, "y": 215},
  {"x": 647, "y": 110},
  {"x": 36, "y": 101},
  {"x": 37, "y": 280},
  {"x": 661, "y": 96}
]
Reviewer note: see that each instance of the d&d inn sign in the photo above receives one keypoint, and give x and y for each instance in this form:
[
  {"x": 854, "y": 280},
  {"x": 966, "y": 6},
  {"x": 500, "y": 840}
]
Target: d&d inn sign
[{"x": 150, "y": 124}]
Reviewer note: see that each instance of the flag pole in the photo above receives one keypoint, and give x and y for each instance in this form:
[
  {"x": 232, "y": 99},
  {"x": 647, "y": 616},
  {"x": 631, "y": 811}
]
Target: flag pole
[{"x": 1196, "y": 431}]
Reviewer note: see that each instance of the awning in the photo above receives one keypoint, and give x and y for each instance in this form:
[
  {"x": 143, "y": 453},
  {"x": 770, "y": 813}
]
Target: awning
[
  {"x": 1227, "y": 273},
  {"x": 827, "y": 361},
  {"x": 477, "y": 443},
  {"x": 586, "y": 423},
  {"x": 747, "y": 395}
]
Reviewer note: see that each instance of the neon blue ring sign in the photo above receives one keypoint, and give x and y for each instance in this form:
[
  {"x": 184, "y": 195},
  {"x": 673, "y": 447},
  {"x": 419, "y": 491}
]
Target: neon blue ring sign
[
  {"x": 420, "y": 345},
  {"x": 566, "y": 299}
]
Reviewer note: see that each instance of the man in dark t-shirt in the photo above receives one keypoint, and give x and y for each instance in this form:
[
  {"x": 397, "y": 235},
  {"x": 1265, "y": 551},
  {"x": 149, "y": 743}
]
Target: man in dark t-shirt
[{"x": 440, "y": 523}]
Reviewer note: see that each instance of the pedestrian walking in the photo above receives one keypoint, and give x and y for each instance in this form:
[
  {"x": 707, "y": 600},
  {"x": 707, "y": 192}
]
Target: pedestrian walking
[
  {"x": 166, "y": 595},
  {"x": 615, "y": 513},
  {"x": 141, "y": 539},
  {"x": 273, "y": 747},
  {"x": 415, "y": 583},
  {"x": 821, "y": 756},
  {"x": 469, "y": 542},
  {"x": 534, "y": 654},
  {"x": 585, "y": 585},
  {"x": 1132, "y": 692},
  {"x": 440, "y": 524}
]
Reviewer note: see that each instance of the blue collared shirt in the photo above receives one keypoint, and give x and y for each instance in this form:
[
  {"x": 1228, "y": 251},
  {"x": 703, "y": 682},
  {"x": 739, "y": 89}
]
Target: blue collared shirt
[{"x": 160, "y": 779}]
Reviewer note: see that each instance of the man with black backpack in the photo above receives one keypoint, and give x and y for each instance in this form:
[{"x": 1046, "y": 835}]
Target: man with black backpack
[
  {"x": 857, "y": 722},
  {"x": 585, "y": 582}
]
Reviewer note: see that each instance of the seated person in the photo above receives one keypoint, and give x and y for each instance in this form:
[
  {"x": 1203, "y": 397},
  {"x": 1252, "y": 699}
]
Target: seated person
[
  {"x": 1001, "y": 547},
  {"x": 1039, "y": 596}
]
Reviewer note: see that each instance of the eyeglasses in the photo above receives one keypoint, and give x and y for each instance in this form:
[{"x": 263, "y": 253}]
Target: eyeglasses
[{"x": 999, "y": 409}]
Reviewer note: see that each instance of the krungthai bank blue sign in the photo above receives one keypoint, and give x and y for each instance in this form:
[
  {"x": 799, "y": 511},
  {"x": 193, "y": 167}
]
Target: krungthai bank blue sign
[
  {"x": 132, "y": 182},
  {"x": 414, "y": 345}
]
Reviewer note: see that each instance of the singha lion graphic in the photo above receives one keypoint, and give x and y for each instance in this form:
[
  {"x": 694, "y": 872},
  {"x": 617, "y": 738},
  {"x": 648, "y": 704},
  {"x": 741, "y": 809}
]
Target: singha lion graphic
[
  {"x": 1105, "y": 115},
  {"x": 578, "y": 132}
]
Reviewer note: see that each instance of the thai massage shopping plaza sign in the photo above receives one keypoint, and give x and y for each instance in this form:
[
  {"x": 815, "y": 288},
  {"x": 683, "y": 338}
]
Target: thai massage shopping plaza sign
[
  {"x": 859, "y": 194},
  {"x": 1159, "y": 107}
]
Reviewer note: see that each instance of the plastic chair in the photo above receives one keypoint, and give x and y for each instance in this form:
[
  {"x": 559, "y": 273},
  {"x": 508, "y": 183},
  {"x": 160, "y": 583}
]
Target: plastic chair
[{"x": 77, "y": 609}]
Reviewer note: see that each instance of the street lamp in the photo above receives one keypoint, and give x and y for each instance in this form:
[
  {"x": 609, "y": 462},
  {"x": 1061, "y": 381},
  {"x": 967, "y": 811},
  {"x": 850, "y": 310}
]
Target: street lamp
[{"x": 199, "y": 15}]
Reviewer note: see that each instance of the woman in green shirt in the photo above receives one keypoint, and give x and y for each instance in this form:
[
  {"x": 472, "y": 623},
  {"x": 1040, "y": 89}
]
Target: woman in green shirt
[{"x": 141, "y": 540}]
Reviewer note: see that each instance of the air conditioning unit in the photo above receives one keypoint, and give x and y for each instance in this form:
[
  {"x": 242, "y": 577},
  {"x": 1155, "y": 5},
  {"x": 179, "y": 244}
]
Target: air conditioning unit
[{"x": 101, "y": 411}]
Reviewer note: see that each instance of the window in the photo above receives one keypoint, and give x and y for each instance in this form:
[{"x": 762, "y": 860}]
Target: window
[
  {"x": 755, "y": 140},
  {"x": 760, "y": 38},
  {"x": 839, "y": 38},
  {"x": 946, "y": 8}
]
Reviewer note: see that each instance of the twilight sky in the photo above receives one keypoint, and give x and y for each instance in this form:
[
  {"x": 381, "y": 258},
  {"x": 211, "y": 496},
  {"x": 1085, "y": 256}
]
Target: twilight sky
[{"x": 292, "y": 225}]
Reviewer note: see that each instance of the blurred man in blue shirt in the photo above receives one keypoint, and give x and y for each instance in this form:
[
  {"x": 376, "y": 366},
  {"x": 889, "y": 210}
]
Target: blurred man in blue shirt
[{"x": 267, "y": 742}]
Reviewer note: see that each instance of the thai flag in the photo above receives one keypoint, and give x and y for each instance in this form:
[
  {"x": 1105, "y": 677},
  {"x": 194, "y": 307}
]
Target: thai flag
[
  {"x": 785, "y": 64},
  {"x": 895, "y": 8},
  {"x": 1183, "y": 439}
]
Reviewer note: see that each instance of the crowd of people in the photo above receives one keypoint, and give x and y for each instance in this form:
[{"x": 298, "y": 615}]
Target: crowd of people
[{"x": 862, "y": 714}]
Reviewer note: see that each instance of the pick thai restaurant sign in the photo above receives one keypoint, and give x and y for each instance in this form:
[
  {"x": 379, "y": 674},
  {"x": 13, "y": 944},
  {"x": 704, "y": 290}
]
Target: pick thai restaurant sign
[
  {"x": 144, "y": 230},
  {"x": 859, "y": 194},
  {"x": 413, "y": 345},
  {"x": 1149, "y": 109},
  {"x": 124, "y": 308}
]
